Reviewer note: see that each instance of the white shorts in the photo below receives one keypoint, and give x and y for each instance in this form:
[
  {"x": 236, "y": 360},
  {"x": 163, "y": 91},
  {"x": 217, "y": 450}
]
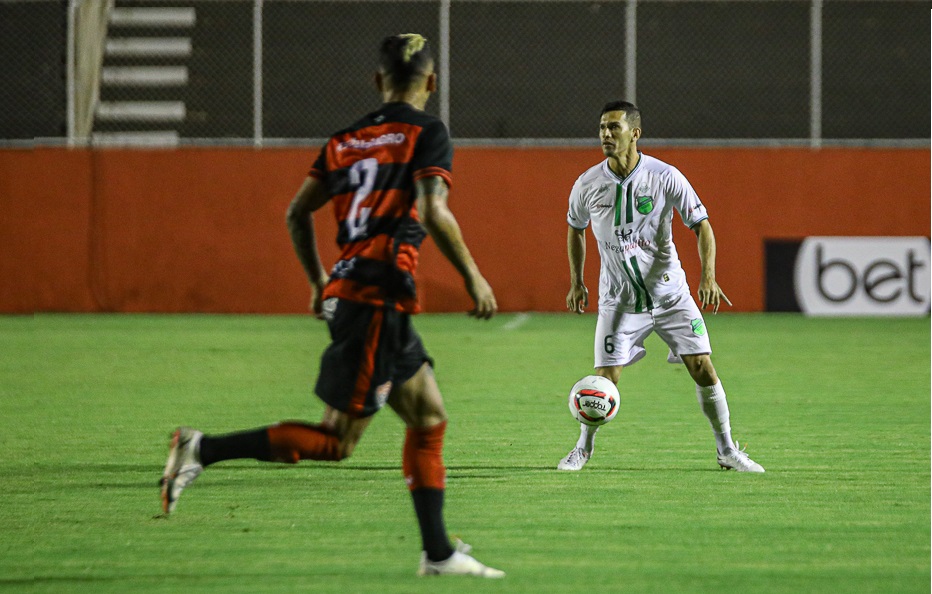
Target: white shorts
[{"x": 619, "y": 336}]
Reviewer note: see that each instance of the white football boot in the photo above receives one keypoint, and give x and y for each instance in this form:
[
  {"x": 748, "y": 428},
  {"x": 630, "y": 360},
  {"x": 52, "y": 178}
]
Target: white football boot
[
  {"x": 575, "y": 460},
  {"x": 183, "y": 466},
  {"x": 736, "y": 458},
  {"x": 459, "y": 563}
]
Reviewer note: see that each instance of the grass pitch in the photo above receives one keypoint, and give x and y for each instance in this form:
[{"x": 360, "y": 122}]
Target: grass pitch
[{"x": 836, "y": 410}]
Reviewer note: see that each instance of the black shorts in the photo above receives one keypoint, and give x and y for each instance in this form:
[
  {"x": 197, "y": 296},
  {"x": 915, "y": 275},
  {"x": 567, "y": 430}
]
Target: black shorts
[{"x": 373, "y": 349}]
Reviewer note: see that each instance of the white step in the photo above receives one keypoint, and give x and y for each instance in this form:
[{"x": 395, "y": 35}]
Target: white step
[
  {"x": 145, "y": 76},
  {"x": 142, "y": 138},
  {"x": 149, "y": 111},
  {"x": 152, "y": 17},
  {"x": 149, "y": 47}
]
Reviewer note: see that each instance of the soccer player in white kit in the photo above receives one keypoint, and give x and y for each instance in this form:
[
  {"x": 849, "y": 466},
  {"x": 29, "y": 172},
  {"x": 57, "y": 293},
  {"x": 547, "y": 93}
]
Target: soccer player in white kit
[{"x": 629, "y": 199}]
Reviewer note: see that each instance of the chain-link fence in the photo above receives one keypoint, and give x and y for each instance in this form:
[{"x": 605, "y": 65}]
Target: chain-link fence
[
  {"x": 511, "y": 71},
  {"x": 33, "y": 95}
]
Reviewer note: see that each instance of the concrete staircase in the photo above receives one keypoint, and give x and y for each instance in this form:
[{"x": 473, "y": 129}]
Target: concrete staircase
[{"x": 144, "y": 73}]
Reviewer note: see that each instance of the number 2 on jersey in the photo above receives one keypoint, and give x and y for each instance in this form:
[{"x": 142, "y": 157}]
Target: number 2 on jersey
[{"x": 362, "y": 177}]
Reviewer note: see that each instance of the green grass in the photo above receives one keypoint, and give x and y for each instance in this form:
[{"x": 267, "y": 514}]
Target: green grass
[{"x": 837, "y": 410}]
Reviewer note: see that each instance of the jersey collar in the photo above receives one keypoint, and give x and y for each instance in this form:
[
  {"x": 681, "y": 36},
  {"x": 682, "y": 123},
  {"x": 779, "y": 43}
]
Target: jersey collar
[{"x": 608, "y": 170}]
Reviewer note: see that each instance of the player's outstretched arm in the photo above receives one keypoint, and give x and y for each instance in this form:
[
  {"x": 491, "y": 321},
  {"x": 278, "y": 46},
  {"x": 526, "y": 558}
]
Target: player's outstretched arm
[
  {"x": 310, "y": 196},
  {"x": 710, "y": 294},
  {"x": 431, "y": 195},
  {"x": 578, "y": 297}
]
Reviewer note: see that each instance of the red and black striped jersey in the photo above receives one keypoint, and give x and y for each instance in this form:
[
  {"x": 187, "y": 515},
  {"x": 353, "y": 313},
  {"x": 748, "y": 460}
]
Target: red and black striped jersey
[{"x": 369, "y": 170}]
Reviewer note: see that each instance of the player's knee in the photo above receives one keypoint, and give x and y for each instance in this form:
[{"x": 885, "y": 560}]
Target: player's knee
[
  {"x": 423, "y": 408},
  {"x": 437, "y": 413},
  {"x": 701, "y": 369},
  {"x": 433, "y": 412}
]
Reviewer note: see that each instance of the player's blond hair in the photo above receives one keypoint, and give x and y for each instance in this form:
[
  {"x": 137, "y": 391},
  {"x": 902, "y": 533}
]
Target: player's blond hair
[
  {"x": 404, "y": 58},
  {"x": 414, "y": 42}
]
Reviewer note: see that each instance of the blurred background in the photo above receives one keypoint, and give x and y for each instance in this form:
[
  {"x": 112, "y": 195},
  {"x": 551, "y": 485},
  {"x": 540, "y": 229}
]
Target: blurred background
[{"x": 148, "y": 149}]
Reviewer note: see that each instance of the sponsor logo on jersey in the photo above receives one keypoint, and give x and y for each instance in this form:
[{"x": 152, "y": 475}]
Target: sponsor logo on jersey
[
  {"x": 342, "y": 268},
  {"x": 626, "y": 247},
  {"x": 695, "y": 209},
  {"x": 360, "y": 144},
  {"x": 623, "y": 234},
  {"x": 698, "y": 326},
  {"x": 644, "y": 204}
]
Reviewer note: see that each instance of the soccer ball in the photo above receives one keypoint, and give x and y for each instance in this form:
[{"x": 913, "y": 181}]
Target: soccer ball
[{"x": 594, "y": 400}]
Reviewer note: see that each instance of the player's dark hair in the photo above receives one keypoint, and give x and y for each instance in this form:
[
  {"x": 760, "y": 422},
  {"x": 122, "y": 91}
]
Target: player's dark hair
[
  {"x": 632, "y": 113},
  {"x": 403, "y": 58}
]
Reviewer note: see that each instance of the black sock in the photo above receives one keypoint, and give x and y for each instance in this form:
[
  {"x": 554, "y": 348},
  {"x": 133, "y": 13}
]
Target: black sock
[
  {"x": 428, "y": 505},
  {"x": 245, "y": 444}
]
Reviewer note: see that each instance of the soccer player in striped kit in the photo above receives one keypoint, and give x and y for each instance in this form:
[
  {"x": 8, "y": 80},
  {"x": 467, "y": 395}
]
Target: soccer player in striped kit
[
  {"x": 629, "y": 199},
  {"x": 388, "y": 177}
]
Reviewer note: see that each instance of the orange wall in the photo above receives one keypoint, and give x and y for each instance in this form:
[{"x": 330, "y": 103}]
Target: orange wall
[
  {"x": 45, "y": 223},
  {"x": 203, "y": 229}
]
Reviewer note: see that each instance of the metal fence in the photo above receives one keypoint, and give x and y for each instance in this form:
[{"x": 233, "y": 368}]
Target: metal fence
[{"x": 272, "y": 72}]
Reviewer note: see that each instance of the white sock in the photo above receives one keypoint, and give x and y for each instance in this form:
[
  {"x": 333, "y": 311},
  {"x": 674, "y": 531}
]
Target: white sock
[
  {"x": 715, "y": 407},
  {"x": 586, "y": 439}
]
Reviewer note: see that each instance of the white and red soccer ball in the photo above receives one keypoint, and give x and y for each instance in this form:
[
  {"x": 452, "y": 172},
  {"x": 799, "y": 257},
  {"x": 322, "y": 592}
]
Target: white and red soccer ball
[{"x": 594, "y": 400}]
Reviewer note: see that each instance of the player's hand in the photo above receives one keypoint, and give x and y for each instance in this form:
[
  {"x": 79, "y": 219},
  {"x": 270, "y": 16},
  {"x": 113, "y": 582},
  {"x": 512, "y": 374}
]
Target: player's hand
[
  {"x": 317, "y": 301},
  {"x": 482, "y": 295},
  {"x": 711, "y": 295},
  {"x": 577, "y": 300}
]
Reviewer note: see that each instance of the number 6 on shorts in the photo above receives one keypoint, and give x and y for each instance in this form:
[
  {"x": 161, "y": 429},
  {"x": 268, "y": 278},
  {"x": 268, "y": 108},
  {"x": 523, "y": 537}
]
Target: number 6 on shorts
[{"x": 609, "y": 344}]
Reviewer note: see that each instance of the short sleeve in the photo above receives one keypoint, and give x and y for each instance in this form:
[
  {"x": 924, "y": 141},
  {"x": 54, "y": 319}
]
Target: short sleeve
[
  {"x": 685, "y": 199},
  {"x": 578, "y": 215},
  {"x": 319, "y": 168},
  {"x": 433, "y": 154}
]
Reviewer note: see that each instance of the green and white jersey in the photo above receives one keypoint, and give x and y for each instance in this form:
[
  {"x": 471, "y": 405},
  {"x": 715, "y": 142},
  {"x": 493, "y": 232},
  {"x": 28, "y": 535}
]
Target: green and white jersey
[{"x": 631, "y": 220}]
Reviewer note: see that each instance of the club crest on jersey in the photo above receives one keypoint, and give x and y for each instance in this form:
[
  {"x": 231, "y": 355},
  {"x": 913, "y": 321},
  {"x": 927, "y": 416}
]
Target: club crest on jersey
[
  {"x": 644, "y": 204},
  {"x": 698, "y": 326},
  {"x": 643, "y": 201}
]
